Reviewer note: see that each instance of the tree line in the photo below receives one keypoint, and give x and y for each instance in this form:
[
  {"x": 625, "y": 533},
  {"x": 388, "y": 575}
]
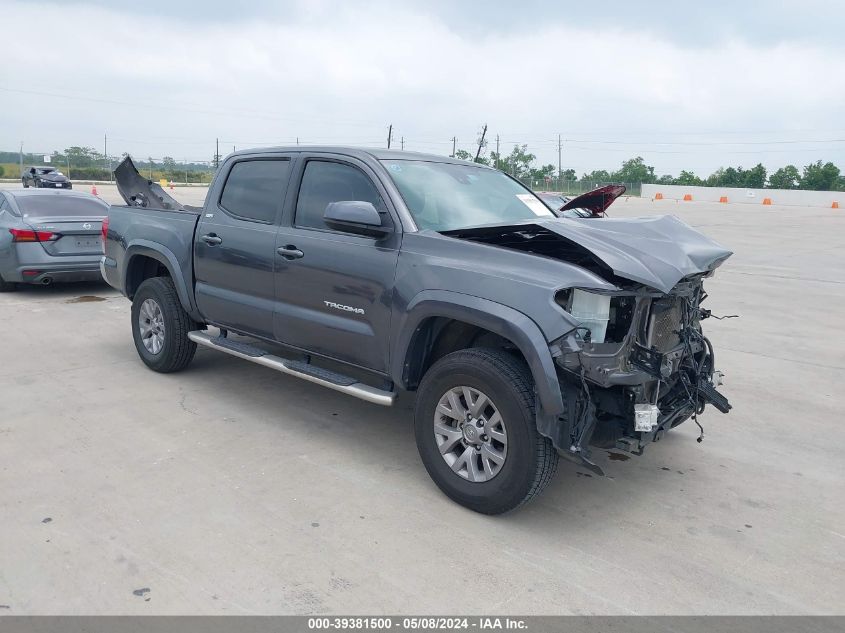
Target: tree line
[
  {"x": 520, "y": 163},
  {"x": 86, "y": 163}
]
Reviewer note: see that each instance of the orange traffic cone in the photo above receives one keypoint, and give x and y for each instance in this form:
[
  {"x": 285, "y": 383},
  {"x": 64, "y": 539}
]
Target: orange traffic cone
[
  {"x": 94, "y": 190},
  {"x": 723, "y": 199},
  {"x": 835, "y": 204},
  {"x": 687, "y": 197},
  {"x": 767, "y": 201},
  {"x": 658, "y": 196}
]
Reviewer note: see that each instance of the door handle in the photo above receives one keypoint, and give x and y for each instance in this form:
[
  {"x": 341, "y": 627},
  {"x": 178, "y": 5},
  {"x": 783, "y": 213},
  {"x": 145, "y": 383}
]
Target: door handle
[
  {"x": 211, "y": 239},
  {"x": 290, "y": 252}
]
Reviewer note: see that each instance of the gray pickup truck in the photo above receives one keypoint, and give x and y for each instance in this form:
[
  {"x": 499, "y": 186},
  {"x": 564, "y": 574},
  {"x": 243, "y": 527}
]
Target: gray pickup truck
[{"x": 527, "y": 336}]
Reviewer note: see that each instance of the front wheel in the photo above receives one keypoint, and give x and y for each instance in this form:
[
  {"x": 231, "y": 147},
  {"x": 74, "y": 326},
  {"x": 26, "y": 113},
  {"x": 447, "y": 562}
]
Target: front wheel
[
  {"x": 160, "y": 326},
  {"x": 476, "y": 431}
]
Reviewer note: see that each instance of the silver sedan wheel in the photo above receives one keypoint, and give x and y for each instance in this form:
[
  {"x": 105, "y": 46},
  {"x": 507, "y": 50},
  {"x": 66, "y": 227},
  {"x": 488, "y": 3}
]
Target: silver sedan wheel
[
  {"x": 470, "y": 434},
  {"x": 151, "y": 325}
]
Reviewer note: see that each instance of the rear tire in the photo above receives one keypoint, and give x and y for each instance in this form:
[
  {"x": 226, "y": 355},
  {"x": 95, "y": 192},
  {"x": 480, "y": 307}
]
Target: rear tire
[
  {"x": 160, "y": 326},
  {"x": 464, "y": 473},
  {"x": 7, "y": 286}
]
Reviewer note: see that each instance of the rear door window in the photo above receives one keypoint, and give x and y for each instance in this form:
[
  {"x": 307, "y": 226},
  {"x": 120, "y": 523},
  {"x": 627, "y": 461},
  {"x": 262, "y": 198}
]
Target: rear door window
[{"x": 255, "y": 189}]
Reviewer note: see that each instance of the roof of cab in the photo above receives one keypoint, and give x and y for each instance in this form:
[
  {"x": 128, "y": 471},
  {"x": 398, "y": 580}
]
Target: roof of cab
[{"x": 359, "y": 152}]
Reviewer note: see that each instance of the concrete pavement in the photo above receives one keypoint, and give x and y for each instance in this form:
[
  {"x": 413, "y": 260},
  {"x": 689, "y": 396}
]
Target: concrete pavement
[{"x": 229, "y": 488}]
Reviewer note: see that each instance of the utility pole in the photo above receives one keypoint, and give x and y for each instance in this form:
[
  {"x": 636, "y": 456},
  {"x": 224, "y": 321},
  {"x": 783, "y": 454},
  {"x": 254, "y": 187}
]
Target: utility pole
[
  {"x": 216, "y": 153},
  {"x": 558, "y": 160},
  {"x": 297, "y": 140},
  {"x": 389, "y": 135},
  {"x": 497, "y": 151},
  {"x": 481, "y": 142},
  {"x": 106, "y": 154},
  {"x": 403, "y": 143},
  {"x": 454, "y": 141},
  {"x": 21, "y": 156}
]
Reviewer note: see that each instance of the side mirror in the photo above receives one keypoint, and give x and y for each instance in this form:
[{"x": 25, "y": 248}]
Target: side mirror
[{"x": 355, "y": 216}]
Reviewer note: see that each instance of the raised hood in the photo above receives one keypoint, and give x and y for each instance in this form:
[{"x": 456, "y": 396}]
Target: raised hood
[
  {"x": 596, "y": 200},
  {"x": 655, "y": 251}
]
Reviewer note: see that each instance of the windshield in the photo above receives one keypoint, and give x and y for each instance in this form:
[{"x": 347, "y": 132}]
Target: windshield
[{"x": 445, "y": 196}]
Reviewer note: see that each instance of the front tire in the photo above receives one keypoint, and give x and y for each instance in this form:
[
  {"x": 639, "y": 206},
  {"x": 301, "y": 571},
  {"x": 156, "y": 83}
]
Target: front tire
[
  {"x": 476, "y": 431},
  {"x": 160, "y": 326}
]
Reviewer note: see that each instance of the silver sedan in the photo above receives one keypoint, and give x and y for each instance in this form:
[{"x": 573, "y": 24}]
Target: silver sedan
[{"x": 49, "y": 236}]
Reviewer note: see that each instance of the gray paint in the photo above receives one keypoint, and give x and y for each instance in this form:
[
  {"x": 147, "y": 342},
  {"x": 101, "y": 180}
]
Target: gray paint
[
  {"x": 56, "y": 262},
  {"x": 392, "y": 284}
]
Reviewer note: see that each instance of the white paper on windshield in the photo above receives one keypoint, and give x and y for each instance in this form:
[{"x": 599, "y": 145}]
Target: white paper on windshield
[{"x": 535, "y": 204}]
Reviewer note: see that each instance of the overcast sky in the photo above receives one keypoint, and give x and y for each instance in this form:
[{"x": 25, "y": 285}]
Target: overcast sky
[{"x": 685, "y": 85}]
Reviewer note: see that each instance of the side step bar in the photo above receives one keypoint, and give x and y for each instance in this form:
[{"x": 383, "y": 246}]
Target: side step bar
[{"x": 306, "y": 371}]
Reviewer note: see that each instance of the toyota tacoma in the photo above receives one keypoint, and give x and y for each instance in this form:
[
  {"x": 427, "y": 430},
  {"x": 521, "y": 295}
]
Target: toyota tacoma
[{"x": 526, "y": 336}]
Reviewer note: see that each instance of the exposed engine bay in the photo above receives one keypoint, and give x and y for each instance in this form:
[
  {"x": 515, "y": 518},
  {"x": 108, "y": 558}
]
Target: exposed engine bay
[
  {"x": 650, "y": 369},
  {"x": 637, "y": 363}
]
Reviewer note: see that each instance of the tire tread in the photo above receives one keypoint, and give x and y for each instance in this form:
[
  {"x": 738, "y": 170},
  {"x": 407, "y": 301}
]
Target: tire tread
[
  {"x": 181, "y": 350},
  {"x": 515, "y": 372}
]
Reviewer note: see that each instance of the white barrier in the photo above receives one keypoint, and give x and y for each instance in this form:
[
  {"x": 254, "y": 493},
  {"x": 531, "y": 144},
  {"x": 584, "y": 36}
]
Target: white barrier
[{"x": 794, "y": 197}]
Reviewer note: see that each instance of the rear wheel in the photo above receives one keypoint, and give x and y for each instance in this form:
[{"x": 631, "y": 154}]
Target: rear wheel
[
  {"x": 476, "y": 431},
  {"x": 160, "y": 326}
]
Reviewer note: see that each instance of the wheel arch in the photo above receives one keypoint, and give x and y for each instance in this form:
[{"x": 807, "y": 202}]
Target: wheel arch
[
  {"x": 146, "y": 259},
  {"x": 431, "y": 313}
]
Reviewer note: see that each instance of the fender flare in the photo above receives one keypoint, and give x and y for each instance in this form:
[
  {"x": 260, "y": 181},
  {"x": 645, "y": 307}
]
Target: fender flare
[
  {"x": 495, "y": 317},
  {"x": 166, "y": 257}
]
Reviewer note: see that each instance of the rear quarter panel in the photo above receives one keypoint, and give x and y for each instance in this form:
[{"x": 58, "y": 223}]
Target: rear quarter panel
[{"x": 164, "y": 235}]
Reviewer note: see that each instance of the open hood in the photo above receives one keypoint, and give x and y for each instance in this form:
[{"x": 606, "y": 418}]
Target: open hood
[
  {"x": 596, "y": 200},
  {"x": 655, "y": 251}
]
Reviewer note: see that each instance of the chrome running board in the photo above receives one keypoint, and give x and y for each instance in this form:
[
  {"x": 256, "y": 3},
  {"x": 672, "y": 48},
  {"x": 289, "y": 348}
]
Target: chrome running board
[{"x": 306, "y": 371}]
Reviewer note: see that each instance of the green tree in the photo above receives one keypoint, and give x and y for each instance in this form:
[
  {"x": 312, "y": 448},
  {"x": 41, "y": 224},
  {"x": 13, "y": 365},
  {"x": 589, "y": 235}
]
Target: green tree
[
  {"x": 688, "y": 178},
  {"x": 546, "y": 171},
  {"x": 169, "y": 166},
  {"x": 635, "y": 170},
  {"x": 755, "y": 178},
  {"x": 597, "y": 175},
  {"x": 517, "y": 163},
  {"x": 818, "y": 177},
  {"x": 81, "y": 156},
  {"x": 785, "y": 178},
  {"x": 462, "y": 154},
  {"x": 568, "y": 174},
  {"x": 2, "y": 171},
  {"x": 665, "y": 179}
]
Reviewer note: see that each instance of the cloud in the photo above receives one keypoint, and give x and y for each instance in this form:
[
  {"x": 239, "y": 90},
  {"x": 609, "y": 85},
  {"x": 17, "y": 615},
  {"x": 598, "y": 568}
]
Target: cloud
[{"x": 341, "y": 73}]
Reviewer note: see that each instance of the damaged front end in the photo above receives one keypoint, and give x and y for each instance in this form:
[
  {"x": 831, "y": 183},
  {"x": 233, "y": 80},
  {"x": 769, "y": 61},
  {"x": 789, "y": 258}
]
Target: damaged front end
[
  {"x": 637, "y": 367},
  {"x": 637, "y": 362}
]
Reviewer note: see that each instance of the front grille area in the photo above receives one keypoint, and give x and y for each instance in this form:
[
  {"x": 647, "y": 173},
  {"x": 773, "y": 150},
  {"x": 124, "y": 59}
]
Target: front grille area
[{"x": 665, "y": 324}]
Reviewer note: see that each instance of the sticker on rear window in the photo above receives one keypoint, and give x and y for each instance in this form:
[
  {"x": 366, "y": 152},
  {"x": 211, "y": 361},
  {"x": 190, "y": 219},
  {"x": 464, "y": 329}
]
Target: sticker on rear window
[{"x": 535, "y": 204}]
